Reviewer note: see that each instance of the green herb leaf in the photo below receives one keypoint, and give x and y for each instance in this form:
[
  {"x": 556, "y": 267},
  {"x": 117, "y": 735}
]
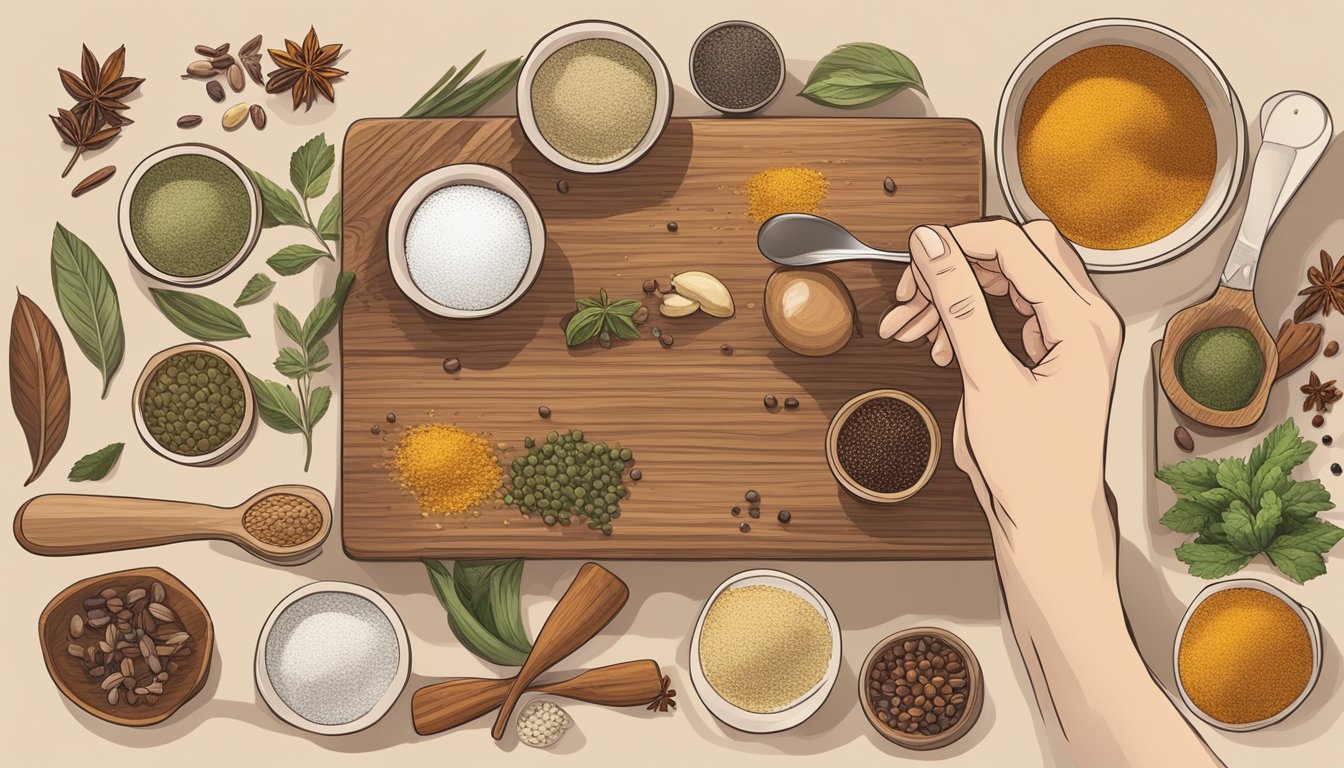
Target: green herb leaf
[
  {"x": 87, "y": 298},
  {"x": 1268, "y": 518},
  {"x": 258, "y": 287},
  {"x": 445, "y": 85},
  {"x": 198, "y": 316},
  {"x": 1189, "y": 478},
  {"x": 1300, "y": 565},
  {"x": 472, "y": 579},
  {"x": 449, "y": 97},
  {"x": 584, "y": 325},
  {"x": 317, "y": 352},
  {"x": 625, "y": 307},
  {"x": 466, "y": 627},
  {"x": 329, "y": 223},
  {"x": 278, "y": 205},
  {"x": 289, "y": 324},
  {"x": 1313, "y": 535},
  {"x": 1188, "y": 516},
  {"x": 1211, "y": 561},
  {"x": 1282, "y": 447},
  {"x": 1239, "y": 526},
  {"x": 860, "y": 75},
  {"x": 293, "y": 259},
  {"x": 1304, "y": 499},
  {"x": 291, "y": 364},
  {"x": 505, "y": 604},
  {"x": 318, "y": 401},
  {"x": 96, "y": 465},
  {"x": 310, "y": 167},
  {"x": 586, "y": 303},
  {"x": 621, "y": 326},
  {"x": 327, "y": 311},
  {"x": 278, "y": 405},
  {"x": 1235, "y": 476}
]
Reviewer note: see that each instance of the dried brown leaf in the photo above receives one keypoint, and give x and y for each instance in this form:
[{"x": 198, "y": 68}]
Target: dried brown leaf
[{"x": 39, "y": 387}]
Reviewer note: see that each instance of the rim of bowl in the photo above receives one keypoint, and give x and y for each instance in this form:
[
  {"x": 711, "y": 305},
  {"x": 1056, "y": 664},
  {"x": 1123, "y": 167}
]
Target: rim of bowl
[
  {"x": 853, "y": 486},
  {"x": 124, "y": 213},
  {"x": 394, "y": 688},
  {"x": 797, "y": 712},
  {"x": 975, "y": 699},
  {"x": 1304, "y": 613},
  {"x": 1207, "y": 79},
  {"x": 228, "y": 447},
  {"x": 779, "y": 84},
  {"x": 587, "y": 30},
  {"x": 459, "y": 174}
]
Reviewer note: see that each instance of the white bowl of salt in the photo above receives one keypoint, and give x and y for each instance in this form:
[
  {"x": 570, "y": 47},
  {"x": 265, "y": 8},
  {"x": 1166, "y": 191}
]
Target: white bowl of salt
[
  {"x": 332, "y": 658},
  {"x": 465, "y": 241}
]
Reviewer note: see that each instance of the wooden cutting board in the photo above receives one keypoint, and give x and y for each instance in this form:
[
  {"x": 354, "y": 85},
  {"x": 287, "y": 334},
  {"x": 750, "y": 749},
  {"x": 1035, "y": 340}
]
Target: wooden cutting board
[{"x": 691, "y": 413}]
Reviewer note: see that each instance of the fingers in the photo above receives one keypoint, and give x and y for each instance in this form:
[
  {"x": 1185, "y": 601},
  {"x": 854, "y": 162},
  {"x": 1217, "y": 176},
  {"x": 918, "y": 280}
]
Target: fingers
[
  {"x": 942, "y": 348},
  {"x": 1047, "y": 239},
  {"x": 960, "y": 302},
  {"x": 906, "y": 288},
  {"x": 902, "y": 314},
  {"x": 1033, "y": 340},
  {"x": 1036, "y": 278}
]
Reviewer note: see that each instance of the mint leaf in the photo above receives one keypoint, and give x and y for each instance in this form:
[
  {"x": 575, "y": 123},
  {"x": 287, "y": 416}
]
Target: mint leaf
[
  {"x": 1312, "y": 535},
  {"x": 278, "y": 205},
  {"x": 293, "y": 259},
  {"x": 199, "y": 316},
  {"x": 586, "y": 303},
  {"x": 621, "y": 326},
  {"x": 1304, "y": 499},
  {"x": 1190, "y": 477},
  {"x": 318, "y": 400},
  {"x": 327, "y": 311},
  {"x": 1267, "y": 519},
  {"x": 1239, "y": 527},
  {"x": 1283, "y": 447},
  {"x": 329, "y": 223},
  {"x": 1235, "y": 476},
  {"x": 289, "y": 324},
  {"x": 625, "y": 307},
  {"x": 257, "y": 288},
  {"x": 278, "y": 405},
  {"x": 96, "y": 465},
  {"x": 584, "y": 325},
  {"x": 1300, "y": 565},
  {"x": 310, "y": 167},
  {"x": 291, "y": 364},
  {"x": 1186, "y": 516},
  {"x": 1211, "y": 561}
]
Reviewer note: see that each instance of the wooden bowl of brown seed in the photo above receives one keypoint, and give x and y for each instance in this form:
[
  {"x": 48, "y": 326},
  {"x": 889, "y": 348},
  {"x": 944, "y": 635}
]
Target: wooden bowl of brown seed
[
  {"x": 129, "y": 647},
  {"x": 922, "y": 688}
]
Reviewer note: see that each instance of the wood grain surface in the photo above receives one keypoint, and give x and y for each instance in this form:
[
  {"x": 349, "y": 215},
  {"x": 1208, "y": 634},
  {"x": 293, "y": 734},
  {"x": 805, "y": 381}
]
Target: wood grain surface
[{"x": 692, "y": 414}]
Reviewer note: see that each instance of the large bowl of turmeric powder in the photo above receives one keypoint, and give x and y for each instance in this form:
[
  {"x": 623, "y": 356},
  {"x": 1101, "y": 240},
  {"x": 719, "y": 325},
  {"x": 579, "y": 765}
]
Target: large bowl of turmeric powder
[{"x": 1127, "y": 136}]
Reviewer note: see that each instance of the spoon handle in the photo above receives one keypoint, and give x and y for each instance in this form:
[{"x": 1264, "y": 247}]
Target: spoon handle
[{"x": 69, "y": 524}]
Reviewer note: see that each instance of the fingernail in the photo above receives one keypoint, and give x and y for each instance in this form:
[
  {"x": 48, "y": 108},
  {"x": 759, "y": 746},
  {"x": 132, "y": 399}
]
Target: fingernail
[{"x": 930, "y": 242}]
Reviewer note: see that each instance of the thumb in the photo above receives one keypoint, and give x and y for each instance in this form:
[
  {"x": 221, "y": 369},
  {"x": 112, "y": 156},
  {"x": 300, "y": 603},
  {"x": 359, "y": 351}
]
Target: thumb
[{"x": 961, "y": 304}]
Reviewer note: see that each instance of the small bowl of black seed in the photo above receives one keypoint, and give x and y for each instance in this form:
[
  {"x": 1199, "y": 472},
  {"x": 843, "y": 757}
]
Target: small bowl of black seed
[
  {"x": 737, "y": 67},
  {"x": 882, "y": 446}
]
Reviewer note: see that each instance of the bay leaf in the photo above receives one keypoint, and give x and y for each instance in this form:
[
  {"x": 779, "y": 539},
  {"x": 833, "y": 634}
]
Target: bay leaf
[
  {"x": 857, "y": 75},
  {"x": 199, "y": 316},
  {"x": 258, "y": 287},
  {"x": 87, "y": 298},
  {"x": 96, "y": 465},
  {"x": 39, "y": 386}
]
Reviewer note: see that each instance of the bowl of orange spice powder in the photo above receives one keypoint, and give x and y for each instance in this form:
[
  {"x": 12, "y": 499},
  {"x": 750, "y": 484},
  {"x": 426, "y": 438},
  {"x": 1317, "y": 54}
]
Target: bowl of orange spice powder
[
  {"x": 1246, "y": 655},
  {"x": 1124, "y": 134}
]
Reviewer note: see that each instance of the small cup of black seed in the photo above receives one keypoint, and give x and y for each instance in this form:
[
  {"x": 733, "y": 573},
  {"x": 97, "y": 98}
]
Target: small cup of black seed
[
  {"x": 737, "y": 67},
  {"x": 882, "y": 446}
]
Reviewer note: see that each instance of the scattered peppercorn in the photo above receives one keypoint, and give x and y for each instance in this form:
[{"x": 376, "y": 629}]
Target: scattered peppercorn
[
  {"x": 666, "y": 339},
  {"x": 1327, "y": 440},
  {"x": 391, "y": 417},
  {"x": 544, "y": 412},
  {"x": 1317, "y": 420},
  {"x": 771, "y": 402},
  {"x": 753, "y": 496},
  {"x": 791, "y": 403},
  {"x": 656, "y": 332},
  {"x": 889, "y": 184},
  {"x": 745, "y": 527},
  {"x": 1336, "y": 470},
  {"x": 562, "y": 187},
  {"x": 1331, "y": 348},
  {"x": 650, "y": 286},
  {"x": 1183, "y": 439},
  {"x": 636, "y": 475},
  {"x": 452, "y": 365},
  {"x": 375, "y": 429},
  {"x": 785, "y": 516},
  {"x": 725, "y": 349},
  {"x": 737, "y": 511},
  {"x": 754, "y": 511},
  {"x": 671, "y": 226}
]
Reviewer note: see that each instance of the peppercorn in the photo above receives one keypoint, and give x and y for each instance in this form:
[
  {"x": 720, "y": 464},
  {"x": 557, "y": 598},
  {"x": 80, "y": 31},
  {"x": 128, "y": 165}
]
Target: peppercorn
[
  {"x": 791, "y": 403},
  {"x": 784, "y": 516},
  {"x": 544, "y": 412},
  {"x": 391, "y": 417},
  {"x": 452, "y": 365},
  {"x": 671, "y": 226},
  {"x": 562, "y": 187},
  {"x": 753, "y": 496},
  {"x": 889, "y": 185},
  {"x": 771, "y": 402},
  {"x": 745, "y": 527}
]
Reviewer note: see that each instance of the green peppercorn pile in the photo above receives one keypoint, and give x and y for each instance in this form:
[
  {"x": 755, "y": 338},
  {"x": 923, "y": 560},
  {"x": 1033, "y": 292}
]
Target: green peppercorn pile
[
  {"x": 193, "y": 403},
  {"x": 566, "y": 477}
]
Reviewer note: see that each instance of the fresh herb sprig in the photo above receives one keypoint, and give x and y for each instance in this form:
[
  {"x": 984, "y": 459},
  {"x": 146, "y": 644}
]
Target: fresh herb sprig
[
  {"x": 310, "y": 168},
  {"x": 450, "y": 97},
  {"x": 603, "y": 319},
  {"x": 297, "y": 412},
  {"x": 1241, "y": 508},
  {"x": 482, "y": 600}
]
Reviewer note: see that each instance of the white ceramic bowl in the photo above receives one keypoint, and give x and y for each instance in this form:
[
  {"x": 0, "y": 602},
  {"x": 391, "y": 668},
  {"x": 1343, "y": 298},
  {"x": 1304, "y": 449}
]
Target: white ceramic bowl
[
  {"x": 1313, "y": 632},
  {"x": 588, "y": 30},
  {"x": 795, "y": 713},
  {"x": 394, "y": 688},
  {"x": 1229, "y": 129},
  {"x": 124, "y": 214},
  {"x": 230, "y": 446},
  {"x": 452, "y": 175}
]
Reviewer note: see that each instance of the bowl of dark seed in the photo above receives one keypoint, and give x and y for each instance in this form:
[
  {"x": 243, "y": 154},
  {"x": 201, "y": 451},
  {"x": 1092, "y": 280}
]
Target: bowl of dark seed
[
  {"x": 193, "y": 404},
  {"x": 921, "y": 688},
  {"x": 737, "y": 67},
  {"x": 129, "y": 647},
  {"x": 883, "y": 446}
]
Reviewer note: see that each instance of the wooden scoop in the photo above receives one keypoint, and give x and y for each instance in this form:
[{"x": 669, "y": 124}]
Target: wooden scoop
[
  {"x": 68, "y": 524},
  {"x": 1296, "y": 128},
  {"x": 590, "y": 603},
  {"x": 446, "y": 705}
]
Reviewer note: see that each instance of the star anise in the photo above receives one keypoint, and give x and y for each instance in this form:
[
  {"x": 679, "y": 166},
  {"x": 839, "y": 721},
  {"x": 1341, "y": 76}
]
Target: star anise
[
  {"x": 102, "y": 88},
  {"x": 1325, "y": 293},
  {"x": 305, "y": 69},
  {"x": 666, "y": 699},
  {"x": 1320, "y": 395},
  {"x": 81, "y": 132}
]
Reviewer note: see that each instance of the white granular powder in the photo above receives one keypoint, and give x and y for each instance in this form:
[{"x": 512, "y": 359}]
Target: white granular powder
[
  {"x": 331, "y": 656},
  {"x": 467, "y": 247}
]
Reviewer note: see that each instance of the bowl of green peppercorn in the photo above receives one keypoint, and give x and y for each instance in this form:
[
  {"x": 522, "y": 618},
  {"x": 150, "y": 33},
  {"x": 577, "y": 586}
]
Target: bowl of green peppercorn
[{"x": 193, "y": 404}]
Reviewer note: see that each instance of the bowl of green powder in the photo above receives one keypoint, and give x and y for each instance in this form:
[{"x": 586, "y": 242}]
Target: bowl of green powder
[
  {"x": 189, "y": 215},
  {"x": 593, "y": 97},
  {"x": 193, "y": 404}
]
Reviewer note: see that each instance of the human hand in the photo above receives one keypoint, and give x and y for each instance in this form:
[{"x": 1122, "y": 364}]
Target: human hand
[{"x": 1031, "y": 434}]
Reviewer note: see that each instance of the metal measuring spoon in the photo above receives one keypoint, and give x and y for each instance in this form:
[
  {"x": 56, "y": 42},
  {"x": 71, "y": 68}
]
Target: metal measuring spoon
[{"x": 804, "y": 240}]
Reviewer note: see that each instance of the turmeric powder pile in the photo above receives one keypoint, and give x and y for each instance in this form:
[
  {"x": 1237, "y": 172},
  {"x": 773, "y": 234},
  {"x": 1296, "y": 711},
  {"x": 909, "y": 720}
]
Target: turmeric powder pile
[
  {"x": 448, "y": 470},
  {"x": 1116, "y": 146},
  {"x": 785, "y": 190},
  {"x": 1245, "y": 656}
]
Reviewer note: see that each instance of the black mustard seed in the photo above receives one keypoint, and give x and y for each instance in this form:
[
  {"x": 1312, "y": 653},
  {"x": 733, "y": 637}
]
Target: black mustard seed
[
  {"x": 736, "y": 67},
  {"x": 884, "y": 445}
]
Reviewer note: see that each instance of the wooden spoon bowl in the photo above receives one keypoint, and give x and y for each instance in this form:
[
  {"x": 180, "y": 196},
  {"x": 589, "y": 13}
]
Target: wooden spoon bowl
[
  {"x": 1227, "y": 308},
  {"x": 53, "y": 630},
  {"x": 68, "y": 524}
]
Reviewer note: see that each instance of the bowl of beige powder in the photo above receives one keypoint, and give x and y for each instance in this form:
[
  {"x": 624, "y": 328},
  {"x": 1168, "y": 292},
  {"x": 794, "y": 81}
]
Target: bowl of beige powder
[
  {"x": 765, "y": 652},
  {"x": 593, "y": 97}
]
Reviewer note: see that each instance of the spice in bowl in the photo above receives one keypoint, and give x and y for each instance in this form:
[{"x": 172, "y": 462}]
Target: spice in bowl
[
  {"x": 190, "y": 215},
  {"x": 883, "y": 445},
  {"x": 468, "y": 247},
  {"x": 1220, "y": 368},
  {"x": 193, "y": 403},
  {"x": 283, "y": 520},
  {"x": 920, "y": 688},
  {"x": 594, "y": 100},
  {"x": 736, "y": 67},
  {"x": 1245, "y": 657}
]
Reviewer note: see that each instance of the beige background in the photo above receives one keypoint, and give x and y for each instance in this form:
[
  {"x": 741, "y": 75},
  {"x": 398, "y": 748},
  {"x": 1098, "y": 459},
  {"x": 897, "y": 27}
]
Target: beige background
[{"x": 395, "y": 50}]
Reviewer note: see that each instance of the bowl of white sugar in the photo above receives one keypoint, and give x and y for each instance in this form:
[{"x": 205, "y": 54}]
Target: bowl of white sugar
[
  {"x": 465, "y": 241},
  {"x": 332, "y": 658}
]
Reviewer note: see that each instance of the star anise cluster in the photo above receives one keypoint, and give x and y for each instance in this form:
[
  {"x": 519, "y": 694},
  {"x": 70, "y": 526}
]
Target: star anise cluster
[
  {"x": 305, "y": 70},
  {"x": 99, "y": 92},
  {"x": 1320, "y": 395},
  {"x": 1325, "y": 289}
]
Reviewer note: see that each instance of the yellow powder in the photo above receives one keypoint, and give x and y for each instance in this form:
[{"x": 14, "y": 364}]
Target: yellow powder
[
  {"x": 448, "y": 470},
  {"x": 1245, "y": 656},
  {"x": 785, "y": 190},
  {"x": 1116, "y": 146}
]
